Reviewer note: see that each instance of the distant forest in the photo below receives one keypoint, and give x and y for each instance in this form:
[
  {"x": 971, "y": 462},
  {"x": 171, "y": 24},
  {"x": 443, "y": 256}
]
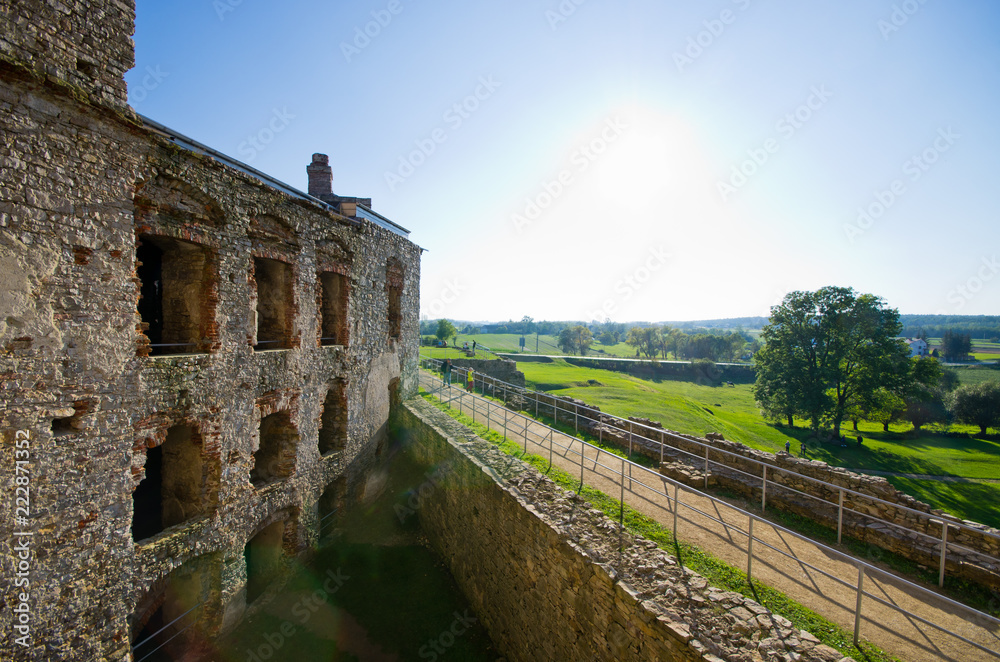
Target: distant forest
[{"x": 980, "y": 327}]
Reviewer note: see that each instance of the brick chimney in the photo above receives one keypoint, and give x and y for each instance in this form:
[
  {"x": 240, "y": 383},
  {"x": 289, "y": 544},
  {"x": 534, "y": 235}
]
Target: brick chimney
[{"x": 320, "y": 176}]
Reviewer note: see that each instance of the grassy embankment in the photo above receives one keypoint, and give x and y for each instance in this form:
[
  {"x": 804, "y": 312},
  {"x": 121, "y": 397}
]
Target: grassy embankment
[{"x": 697, "y": 409}]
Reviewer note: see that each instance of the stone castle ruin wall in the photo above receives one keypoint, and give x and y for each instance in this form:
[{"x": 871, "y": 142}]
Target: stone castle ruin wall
[{"x": 168, "y": 318}]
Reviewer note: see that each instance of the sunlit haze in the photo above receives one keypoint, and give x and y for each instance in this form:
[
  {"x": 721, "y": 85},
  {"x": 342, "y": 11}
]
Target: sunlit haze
[{"x": 641, "y": 160}]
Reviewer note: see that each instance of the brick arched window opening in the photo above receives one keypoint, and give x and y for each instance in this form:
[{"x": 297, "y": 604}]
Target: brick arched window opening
[
  {"x": 177, "y": 296},
  {"x": 333, "y": 420},
  {"x": 275, "y": 456},
  {"x": 173, "y": 489},
  {"x": 330, "y": 503},
  {"x": 265, "y": 555},
  {"x": 394, "y": 290},
  {"x": 334, "y": 290},
  {"x": 167, "y": 617},
  {"x": 273, "y": 292}
]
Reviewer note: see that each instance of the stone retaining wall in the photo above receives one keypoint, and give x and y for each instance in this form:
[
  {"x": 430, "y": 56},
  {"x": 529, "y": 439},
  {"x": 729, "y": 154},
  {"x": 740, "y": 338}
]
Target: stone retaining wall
[
  {"x": 544, "y": 573},
  {"x": 502, "y": 369}
]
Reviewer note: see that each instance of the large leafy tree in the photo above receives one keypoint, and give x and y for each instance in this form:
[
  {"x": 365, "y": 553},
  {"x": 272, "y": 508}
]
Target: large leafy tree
[
  {"x": 445, "y": 330},
  {"x": 646, "y": 339},
  {"x": 574, "y": 339},
  {"x": 827, "y": 350},
  {"x": 956, "y": 346},
  {"x": 978, "y": 404}
]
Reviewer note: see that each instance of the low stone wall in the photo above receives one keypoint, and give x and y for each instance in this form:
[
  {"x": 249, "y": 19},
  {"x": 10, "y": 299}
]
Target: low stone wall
[
  {"x": 546, "y": 575},
  {"x": 502, "y": 369},
  {"x": 739, "y": 468}
]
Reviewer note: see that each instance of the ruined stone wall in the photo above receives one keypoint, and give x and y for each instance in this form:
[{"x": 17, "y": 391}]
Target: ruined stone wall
[
  {"x": 79, "y": 187},
  {"x": 543, "y": 571},
  {"x": 505, "y": 371},
  {"x": 973, "y": 552}
]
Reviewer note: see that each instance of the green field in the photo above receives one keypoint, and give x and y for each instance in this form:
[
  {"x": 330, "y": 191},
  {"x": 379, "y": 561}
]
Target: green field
[
  {"x": 696, "y": 409},
  {"x": 548, "y": 345}
]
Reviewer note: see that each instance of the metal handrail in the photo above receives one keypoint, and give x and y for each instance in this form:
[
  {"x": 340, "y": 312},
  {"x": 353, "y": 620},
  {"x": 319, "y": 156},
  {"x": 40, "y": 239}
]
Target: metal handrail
[
  {"x": 862, "y": 566},
  {"x": 666, "y": 433}
]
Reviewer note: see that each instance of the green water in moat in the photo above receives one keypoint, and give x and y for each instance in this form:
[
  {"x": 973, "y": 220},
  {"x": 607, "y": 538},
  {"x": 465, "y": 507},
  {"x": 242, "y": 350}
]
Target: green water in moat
[{"x": 374, "y": 591}]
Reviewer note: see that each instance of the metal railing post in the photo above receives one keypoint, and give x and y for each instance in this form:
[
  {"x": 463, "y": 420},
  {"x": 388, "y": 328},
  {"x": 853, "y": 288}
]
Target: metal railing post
[
  {"x": 487, "y": 415},
  {"x": 504, "y": 422},
  {"x": 763, "y": 491},
  {"x": 661, "y": 448},
  {"x": 550, "y": 449},
  {"x": 583, "y": 449},
  {"x": 630, "y": 433},
  {"x": 676, "y": 508},
  {"x": 857, "y": 609},
  {"x": 706, "y": 466},
  {"x": 944, "y": 550},
  {"x": 840, "y": 517},
  {"x": 750, "y": 550},
  {"x": 576, "y": 418}
]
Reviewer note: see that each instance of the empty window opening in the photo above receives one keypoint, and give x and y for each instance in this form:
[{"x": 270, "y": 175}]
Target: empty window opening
[
  {"x": 330, "y": 503},
  {"x": 264, "y": 559},
  {"x": 394, "y": 290},
  {"x": 395, "y": 311},
  {"x": 275, "y": 457},
  {"x": 274, "y": 303},
  {"x": 172, "y": 490},
  {"x": 166, "y": 630},
  {"x": 174, "y": 304},
  {"x": 64, "y": 426},
  {"x": 333, "y": 309},
  {"x": 333, "y": 422}
]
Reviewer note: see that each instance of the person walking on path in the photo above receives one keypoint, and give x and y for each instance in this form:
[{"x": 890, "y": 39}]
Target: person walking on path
[
  {"x": 473, "y": 347},
  {"x": 471, "y": 378},
  {"x": 446, "y": 372}
]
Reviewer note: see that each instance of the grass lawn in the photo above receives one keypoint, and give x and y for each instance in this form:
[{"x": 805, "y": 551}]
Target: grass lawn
[{"x": 697, "y": 409}]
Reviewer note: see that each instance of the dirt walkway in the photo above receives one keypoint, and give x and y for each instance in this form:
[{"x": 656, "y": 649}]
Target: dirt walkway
[{"x": 895, "y": 632}]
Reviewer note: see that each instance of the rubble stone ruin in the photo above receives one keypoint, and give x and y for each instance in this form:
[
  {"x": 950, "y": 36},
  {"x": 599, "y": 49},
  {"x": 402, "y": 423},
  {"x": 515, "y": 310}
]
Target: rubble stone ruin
[{"x": 197, "y": 360}]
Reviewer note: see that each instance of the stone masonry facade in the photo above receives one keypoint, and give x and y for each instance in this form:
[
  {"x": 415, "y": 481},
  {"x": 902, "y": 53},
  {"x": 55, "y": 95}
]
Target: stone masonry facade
[{"x": 195, "y": 364}]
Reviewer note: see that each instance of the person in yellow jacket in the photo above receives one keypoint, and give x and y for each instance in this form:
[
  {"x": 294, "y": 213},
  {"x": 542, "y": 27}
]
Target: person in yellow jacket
[{"x": 471, "y": 378}]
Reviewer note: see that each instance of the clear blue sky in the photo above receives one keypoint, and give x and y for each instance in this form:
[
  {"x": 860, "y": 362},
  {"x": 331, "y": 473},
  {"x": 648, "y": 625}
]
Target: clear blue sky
[{"x": 637, "y": 160}]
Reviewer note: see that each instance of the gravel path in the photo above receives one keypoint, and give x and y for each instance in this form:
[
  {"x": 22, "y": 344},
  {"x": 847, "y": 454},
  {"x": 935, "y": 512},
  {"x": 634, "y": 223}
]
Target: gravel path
[{"x": 902, "y": 635}]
